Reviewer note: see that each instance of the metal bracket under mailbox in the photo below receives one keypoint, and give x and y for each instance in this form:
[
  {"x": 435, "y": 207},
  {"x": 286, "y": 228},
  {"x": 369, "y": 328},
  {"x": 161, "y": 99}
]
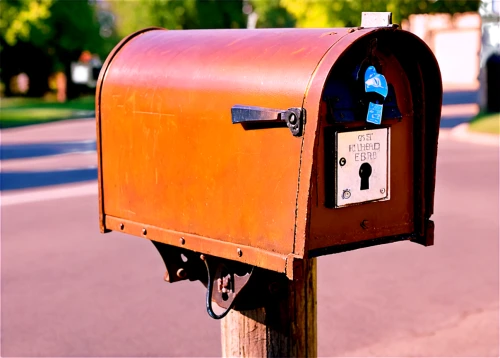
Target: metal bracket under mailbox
[
  {"x": 225, "y": 279},
  {"x": 293, "y": 117}
]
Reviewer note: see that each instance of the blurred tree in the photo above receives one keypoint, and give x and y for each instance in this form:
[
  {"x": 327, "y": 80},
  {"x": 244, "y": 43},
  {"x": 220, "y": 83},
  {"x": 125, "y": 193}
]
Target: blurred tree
[
  {"x": 177, "y": 14},
  {"x": 204, "y": 14},
  {"x": 19, "y": 16},
  {"x": 316, "y": 13},
  {"x": 44, "y": 36},
  {"x": 196, "y": 14},
  {"x": 273, "y": 13},
  {"x": 339, "y": 13}
]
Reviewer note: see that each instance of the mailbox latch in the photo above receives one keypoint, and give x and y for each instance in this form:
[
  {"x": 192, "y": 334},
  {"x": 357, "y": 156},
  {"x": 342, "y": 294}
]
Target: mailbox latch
[{"x": 294, "y": 118}]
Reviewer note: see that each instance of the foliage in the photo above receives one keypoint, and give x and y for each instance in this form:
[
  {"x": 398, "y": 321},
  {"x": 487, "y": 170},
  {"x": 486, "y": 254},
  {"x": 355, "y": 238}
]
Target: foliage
[
  {"x": 486, "y": 123},
  {"x": 273, "y": 13},
  {"x": 43, "y": 36},
  {"x": 15, "y": 112},
  {"x": 72, "y": 28},
  {"x": 177, "y": 14},
  {"x": 315, "y": 13},
  {"x": 57, "y": 25},
  {"x": 20, "y": 16},
  {"x": 206, "y": 14},
  {"x": 311, "y": 13}
]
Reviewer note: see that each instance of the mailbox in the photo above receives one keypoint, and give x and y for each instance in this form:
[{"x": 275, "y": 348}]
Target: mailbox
[{"x": 262, "y": 147}]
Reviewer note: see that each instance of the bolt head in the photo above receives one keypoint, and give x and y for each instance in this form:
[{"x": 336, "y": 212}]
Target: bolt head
[
  {"x": 346, "y": 194},
  {"x": 382, "y": 191},
  {"x": 292, "y": 118},
  {"x": 342, "y": 162},
  {"x": 122, "y": 226},
  {"x": 181, "y": 273},
  {"x": 239, "y": 252},
  {"x": 182, "y": 241},
  {"x": 144, "y": 231}
]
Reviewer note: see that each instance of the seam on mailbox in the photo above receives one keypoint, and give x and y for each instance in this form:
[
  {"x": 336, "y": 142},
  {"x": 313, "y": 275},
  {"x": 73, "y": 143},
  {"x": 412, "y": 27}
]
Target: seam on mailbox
[
  {"x": 102, "y": 77},
  {"x": 353, "y": 235},
  {"x": 202, "y": 244},
  {"x": 302, "y": 144}
]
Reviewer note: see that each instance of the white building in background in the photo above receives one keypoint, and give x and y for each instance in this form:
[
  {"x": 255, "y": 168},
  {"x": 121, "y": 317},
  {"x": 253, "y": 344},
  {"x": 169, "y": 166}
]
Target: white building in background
[
  {"x": 495, "y": 8},
  {"x": 490, "y": 43},
  {"x": 466, "y": 45},
  {"x": 455, "y": 40}
]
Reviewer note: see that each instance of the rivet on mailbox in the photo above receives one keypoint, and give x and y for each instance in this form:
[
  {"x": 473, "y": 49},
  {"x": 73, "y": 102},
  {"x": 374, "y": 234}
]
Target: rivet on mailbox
[{"x": 255, "y": 161}]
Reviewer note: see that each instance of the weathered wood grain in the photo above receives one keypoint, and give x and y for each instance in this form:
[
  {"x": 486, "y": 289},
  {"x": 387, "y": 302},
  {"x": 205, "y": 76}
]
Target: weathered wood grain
[{"x": 285, "y": 327}]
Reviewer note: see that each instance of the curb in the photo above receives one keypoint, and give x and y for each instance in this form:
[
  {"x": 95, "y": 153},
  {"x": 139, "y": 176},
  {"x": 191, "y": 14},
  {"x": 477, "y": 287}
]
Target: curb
[
  {"x": 33, "y": 195},
  {"x": 462, "y": 133}
]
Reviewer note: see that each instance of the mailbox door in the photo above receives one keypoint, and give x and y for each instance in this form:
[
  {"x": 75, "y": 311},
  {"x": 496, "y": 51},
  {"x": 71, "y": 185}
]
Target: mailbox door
[{"x": 397, "y": 201}]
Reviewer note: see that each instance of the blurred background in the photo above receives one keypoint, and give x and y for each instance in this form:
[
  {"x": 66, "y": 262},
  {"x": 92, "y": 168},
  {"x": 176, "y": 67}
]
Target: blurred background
[
  {"x": 66, "y": 290},
  {"x": 51, "y": 50}
]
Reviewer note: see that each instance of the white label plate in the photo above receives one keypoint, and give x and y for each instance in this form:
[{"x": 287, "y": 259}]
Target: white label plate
[{"x": 367, "y": 148}]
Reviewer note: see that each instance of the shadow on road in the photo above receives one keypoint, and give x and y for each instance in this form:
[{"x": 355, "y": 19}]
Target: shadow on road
[
  {"x": 35, "y": 150},
  {"x": 448, "y": 122},
  {"x": 12, "y": 180},
  {"x": 451, "y": 98},
  {"x": 26, "y": 180},
  {"x": 32, "y": 179},
  {"x": 460, "y": 97}
]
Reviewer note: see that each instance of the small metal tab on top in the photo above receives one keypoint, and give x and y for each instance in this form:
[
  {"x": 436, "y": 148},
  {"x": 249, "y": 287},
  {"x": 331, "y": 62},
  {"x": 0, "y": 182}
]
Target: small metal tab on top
[{"x": 376, "y": 19}]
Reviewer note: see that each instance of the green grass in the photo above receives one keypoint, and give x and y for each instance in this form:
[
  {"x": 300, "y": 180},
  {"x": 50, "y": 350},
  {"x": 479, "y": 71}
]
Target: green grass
[
  {"x": 486, "y": 123},
  {"x": 19, "y": 111}
]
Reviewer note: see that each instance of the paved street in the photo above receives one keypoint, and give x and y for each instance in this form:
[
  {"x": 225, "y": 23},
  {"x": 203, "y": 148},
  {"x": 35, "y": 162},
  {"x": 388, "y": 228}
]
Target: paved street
[{"x": 67, "y": 290}]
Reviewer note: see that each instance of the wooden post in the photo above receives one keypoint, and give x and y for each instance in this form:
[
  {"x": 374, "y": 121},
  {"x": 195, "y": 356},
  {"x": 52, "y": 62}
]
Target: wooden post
[{"x": 285, "y": 327}]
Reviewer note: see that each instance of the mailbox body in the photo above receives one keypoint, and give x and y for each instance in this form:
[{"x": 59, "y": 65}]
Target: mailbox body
[{"x": 174, "y": 168}]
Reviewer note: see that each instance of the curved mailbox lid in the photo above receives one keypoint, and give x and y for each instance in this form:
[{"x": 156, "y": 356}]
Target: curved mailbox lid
[{"x": 265, "y": 68}]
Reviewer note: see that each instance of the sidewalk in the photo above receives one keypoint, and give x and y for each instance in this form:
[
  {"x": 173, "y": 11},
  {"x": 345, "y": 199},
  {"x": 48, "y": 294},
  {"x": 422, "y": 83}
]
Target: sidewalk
[
  {"x": 461, "y": 133},
  {"x": 61, "y": 131}
]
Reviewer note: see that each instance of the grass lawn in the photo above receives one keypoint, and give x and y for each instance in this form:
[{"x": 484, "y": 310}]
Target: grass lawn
[
  {"x": 19, "y": 111},
  {"x": 486, "y": 123}
]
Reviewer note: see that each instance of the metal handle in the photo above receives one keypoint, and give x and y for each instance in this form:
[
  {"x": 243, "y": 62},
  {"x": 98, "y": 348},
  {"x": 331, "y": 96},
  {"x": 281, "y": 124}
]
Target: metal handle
[{"x": 293, "y": 117}]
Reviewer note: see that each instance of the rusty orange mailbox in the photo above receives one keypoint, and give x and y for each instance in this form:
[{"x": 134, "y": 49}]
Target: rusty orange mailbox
[{"x": 261, "y": 147}]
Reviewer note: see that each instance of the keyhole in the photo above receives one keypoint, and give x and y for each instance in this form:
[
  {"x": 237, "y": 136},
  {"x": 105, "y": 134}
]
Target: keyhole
[{"x": 364, "y": 172}]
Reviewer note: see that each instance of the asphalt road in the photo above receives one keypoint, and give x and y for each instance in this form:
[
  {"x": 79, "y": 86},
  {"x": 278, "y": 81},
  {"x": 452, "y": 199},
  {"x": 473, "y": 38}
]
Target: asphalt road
[{"x": 67, "y": 290}]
